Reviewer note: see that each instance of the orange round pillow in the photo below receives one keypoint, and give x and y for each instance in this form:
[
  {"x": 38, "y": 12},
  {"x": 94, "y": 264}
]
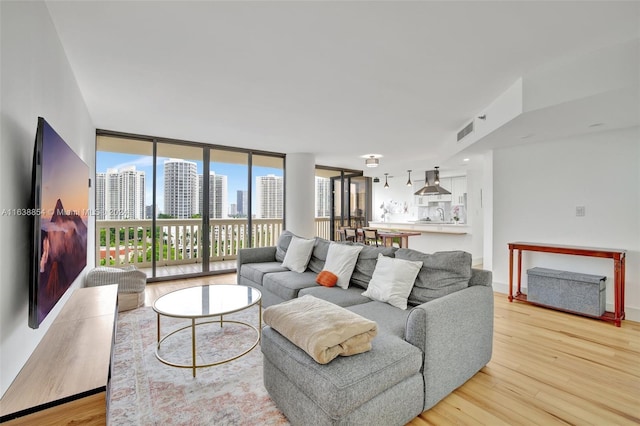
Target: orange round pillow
[{"x": 327, "y": 279}]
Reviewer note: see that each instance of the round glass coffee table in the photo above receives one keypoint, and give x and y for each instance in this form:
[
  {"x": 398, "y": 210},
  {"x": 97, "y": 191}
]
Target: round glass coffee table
[{"x": 203, "y": 302}]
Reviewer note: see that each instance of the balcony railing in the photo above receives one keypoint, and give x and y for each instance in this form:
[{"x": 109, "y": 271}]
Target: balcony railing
[{"x": 178, "y": 241}]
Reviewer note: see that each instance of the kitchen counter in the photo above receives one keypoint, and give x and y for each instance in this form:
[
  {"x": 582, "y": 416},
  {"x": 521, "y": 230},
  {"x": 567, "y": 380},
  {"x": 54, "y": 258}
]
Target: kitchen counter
[
  {"x": 423, "y": 227},
  {"x": 434, "y": 236}
]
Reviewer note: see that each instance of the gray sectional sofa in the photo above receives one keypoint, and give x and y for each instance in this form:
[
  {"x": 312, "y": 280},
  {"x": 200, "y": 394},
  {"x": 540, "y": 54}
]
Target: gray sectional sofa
[{"x": 419, "y": 356}]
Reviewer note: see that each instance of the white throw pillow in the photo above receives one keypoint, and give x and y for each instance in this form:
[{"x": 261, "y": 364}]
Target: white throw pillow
[
  {"x": 393, "y": 280},
  {"x": 298, "y": 254},
  {"x": 341, "y": 260}
]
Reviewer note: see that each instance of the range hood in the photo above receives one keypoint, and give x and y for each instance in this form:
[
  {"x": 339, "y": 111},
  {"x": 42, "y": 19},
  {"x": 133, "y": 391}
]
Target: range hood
[{"x": 433, "y": 189}]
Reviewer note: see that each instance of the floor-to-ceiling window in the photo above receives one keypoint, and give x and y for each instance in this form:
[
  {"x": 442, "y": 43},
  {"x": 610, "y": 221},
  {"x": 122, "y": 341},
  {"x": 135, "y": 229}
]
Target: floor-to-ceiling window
[
  {"x": 124, "y": 200},
  {"x": 176, "y": 208},
  {"x": 267, "y": 199}
]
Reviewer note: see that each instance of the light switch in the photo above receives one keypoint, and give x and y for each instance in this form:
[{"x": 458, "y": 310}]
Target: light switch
[{"x": 579, "y": 211}]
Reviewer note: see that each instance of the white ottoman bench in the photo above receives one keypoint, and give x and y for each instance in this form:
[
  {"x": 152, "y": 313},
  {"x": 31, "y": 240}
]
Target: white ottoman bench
[{"x": 131, "y": 284}]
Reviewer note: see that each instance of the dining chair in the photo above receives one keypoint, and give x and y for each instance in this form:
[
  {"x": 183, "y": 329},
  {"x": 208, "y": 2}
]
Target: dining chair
[
  {"x": 350, "y": 234},
  {"x": 371, "y": 237}
]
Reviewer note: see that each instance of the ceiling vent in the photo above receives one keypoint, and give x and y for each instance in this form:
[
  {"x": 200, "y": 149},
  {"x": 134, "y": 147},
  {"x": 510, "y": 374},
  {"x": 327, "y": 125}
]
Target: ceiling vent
[{"x": 464, "y": 132}]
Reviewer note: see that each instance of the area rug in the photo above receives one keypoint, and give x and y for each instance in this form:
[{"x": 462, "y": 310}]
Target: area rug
[{"x": 145, "y": 391}]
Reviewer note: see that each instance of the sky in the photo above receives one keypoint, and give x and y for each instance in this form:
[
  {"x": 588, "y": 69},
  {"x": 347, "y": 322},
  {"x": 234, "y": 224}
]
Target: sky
[{"x": 236, "y": 174}]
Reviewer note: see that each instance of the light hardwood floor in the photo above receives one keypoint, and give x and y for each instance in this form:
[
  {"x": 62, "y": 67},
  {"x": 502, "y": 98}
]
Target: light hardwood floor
[{"x": 548, "y": 368}]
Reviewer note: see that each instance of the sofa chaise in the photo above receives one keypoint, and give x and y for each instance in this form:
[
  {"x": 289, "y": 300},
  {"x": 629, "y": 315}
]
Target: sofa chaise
[{"x": 420, "y": 355}]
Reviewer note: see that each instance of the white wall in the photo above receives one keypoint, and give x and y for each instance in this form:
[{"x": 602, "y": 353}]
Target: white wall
[
  {"x": 486, "y": 201},
  {"x": 36, "y": 80},
  {"x": 397, "y": 194},
  {"x": 300, "y": 194},
  {"x": 475, "y": 212},
  {"x": 536, "y": 189}
]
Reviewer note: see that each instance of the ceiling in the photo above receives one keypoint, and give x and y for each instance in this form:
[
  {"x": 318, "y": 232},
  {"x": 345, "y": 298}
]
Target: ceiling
[{"x": 336, "y": 79}]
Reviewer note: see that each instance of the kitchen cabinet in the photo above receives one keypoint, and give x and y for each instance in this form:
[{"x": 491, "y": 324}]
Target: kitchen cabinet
[{"x": 458, "y": 189}]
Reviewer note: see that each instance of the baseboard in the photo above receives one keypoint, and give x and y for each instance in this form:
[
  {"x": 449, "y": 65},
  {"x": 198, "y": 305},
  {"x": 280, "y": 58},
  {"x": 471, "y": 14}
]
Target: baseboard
[{"x": 631, "y": 313}]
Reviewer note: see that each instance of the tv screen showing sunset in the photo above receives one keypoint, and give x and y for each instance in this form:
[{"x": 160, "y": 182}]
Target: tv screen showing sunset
[{"x": 64, "y": 207}]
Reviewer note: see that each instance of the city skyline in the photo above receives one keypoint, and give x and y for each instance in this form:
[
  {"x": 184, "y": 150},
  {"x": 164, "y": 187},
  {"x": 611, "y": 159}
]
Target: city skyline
[
  {"x": 236, "y": 173},
  {"x": 221, "y": 187}
]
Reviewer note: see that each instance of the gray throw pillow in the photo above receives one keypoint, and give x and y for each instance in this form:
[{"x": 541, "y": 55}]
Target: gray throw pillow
[
  {"x": 442, "y": 273},
  {"x": 319, "y": 255},
  {"x": 283, "y": 245}
]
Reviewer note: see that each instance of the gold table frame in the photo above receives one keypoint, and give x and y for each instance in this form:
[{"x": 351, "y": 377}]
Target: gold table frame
[{"x": 219, "y": 289}]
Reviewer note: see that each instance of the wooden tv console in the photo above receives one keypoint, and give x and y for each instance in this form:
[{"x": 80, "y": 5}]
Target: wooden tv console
[{"x": 66, "y": 379}]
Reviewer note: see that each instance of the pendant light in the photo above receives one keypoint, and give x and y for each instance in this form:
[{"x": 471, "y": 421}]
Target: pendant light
[
  {"x": 409, "y": 181},
  {"x": 386, "y": 182}
]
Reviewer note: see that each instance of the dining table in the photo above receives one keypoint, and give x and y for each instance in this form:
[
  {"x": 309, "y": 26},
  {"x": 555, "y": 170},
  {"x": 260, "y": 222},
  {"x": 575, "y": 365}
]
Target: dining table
[
  {"x": 387, "y": 237},
  {"x": 403, "y": 237}
]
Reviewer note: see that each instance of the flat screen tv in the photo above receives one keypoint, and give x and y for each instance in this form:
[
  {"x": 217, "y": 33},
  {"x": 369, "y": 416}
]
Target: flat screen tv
[{"x": 59, "y": 207}]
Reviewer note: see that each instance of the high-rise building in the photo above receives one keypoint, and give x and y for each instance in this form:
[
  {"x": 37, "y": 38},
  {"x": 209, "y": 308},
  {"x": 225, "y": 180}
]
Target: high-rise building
[
  {"x": 242, "y": 203},
  {"x": 233, "y": 210},
  {"x": 111, "y": 195},
  {"x": 217, "y": 195},
  {"x": 180, "y": 188},
  {"x": 131, "y": 193},
  {"x": 269, "y": 197},
  {"x": 150, "y": 212},
  {"x": 120, "y": 194},
  {"x": 100, "y": 195},
  {"x": 323, "y": 197}
]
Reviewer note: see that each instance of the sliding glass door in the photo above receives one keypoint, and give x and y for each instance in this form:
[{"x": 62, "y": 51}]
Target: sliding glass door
[
  {"x": 179, "y": 194},
  {"x": 351, "y": 202},
  {"x": 229, "y": 206},
  {"x": 174, "y": 208},
  {"x": 323, "y": 201}
]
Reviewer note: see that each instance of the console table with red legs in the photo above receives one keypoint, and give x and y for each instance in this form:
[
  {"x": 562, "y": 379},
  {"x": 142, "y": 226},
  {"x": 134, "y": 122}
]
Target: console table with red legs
[{"x": 617, "y": 255}]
